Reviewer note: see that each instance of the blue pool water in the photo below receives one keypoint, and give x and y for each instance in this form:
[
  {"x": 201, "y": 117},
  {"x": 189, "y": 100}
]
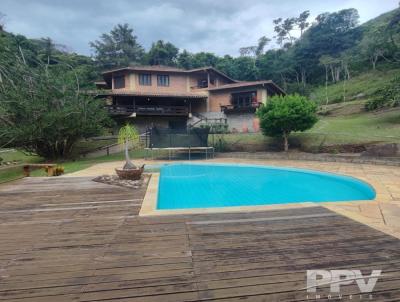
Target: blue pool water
[{"x": 184, "y": 186}]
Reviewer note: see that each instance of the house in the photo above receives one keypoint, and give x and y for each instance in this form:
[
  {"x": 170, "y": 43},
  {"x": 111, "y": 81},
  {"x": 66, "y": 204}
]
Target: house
[{"x": 172, "y": 97}]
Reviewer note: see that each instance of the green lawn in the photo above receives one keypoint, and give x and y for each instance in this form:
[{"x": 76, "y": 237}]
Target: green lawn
[
  {"x": 10, "y": 155},
  {"x": 364, "y": 127}
]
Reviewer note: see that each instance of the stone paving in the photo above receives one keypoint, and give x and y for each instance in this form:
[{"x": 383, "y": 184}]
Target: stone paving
[{"x": 383, "y": 213}]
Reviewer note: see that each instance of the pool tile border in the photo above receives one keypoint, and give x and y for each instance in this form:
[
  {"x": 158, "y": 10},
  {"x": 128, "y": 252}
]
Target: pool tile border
[{"x": 149, "y": 205}]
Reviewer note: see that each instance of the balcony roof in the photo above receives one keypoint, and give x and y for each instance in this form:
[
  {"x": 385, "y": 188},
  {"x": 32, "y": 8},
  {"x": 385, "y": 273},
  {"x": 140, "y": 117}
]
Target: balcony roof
[
  {"x": 122, "y": 92},
  {"x": 268, "y": 83}
]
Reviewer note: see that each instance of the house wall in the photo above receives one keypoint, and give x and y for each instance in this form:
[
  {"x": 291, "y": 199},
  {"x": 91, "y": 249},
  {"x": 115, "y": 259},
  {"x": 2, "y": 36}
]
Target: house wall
[
  {"x": 195, "y": 77},
  {"x": 223, "y": 97},
  {"x": 177, "y": 83}
]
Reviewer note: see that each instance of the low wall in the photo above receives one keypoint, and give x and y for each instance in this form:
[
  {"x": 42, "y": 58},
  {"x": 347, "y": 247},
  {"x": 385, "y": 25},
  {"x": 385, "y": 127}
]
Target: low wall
[
  {"x": 354, "y": 158},
  {"x": 237, "y": 122}
]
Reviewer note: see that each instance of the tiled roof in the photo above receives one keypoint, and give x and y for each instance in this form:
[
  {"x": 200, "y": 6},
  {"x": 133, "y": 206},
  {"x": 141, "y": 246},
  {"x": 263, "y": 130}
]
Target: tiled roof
[
  {"x": 163, "y": 68},
  {"x": 247, "y": 84},
  {"x": 148, "y": 68},
  {"x": 122, "y": 92}
]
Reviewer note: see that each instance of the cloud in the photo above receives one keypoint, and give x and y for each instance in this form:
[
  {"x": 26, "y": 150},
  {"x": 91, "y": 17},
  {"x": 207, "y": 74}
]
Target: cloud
[{"x": 203, "y": 25}]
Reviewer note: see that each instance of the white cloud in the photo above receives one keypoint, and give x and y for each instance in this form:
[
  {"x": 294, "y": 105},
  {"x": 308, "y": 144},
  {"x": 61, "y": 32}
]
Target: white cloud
[{"x": 203, "y": 25}]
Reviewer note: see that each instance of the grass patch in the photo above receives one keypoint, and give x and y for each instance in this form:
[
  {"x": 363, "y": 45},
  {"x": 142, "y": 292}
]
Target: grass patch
[
  {"x": 86, "y": 146},
  {"x": 11, "y": 173},
  {"x": 366, "y": 84},
  {"x": 9, "y": 155},
  {"x": 364, "y": 127}
]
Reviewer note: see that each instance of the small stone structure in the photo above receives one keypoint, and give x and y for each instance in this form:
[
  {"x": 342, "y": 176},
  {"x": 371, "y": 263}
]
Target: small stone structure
[{"x": 116, "y": 181}]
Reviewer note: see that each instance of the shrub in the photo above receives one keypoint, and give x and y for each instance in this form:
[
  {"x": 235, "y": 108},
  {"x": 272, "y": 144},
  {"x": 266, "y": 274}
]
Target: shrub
[
  {"x": 285, "y": 114},
  {"x": 386, "y": 96}
]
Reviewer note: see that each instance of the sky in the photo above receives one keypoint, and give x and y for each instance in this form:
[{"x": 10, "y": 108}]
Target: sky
[{"x": 219, "y": 26}]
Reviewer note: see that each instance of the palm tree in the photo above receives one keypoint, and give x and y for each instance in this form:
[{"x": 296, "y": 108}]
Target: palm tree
[{"x": 127, "y": 135}]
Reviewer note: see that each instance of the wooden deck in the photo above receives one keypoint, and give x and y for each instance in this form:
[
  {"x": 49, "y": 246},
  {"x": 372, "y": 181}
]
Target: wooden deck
[{"x": 70, "y": 239}]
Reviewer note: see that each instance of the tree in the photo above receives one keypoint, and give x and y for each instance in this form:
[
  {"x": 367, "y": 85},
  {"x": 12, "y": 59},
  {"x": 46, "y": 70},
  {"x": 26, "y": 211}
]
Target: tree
[
  {"x": 118, "y": 48},
  {"x": 202, "y": 59},
  {"x": 2, "y": 17},
  {"x": 162, "y": 53},
  {"x": 257, "y": 50},
  {"x": 301, "y": 21},
  {"x": 285, "y": 114},
  {"x": 374, "y": 47},
  {"x": 42, "y": 109},
  {"x": 127, "y": 135},
  {"x": 280, "y": 31},
  {"x": 185, "y": 60}
]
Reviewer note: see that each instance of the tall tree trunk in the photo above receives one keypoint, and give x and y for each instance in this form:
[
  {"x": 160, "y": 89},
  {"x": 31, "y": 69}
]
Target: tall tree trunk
[
  {"x": 326, "y": 85},
  {"x": 128, "y": 163},
  {"x": 285, "y": 142}
]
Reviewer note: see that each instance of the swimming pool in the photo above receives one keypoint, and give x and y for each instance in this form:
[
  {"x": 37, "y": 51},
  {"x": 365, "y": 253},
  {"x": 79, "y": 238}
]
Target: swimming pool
[{"x": 187, "y": 186}]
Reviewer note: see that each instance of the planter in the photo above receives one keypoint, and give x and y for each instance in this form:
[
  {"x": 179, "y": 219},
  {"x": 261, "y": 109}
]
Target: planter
[{"x": 131, "y": 174}]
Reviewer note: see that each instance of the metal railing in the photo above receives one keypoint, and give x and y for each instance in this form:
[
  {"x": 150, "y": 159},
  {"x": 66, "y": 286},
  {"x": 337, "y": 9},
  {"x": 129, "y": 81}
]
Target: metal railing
[
  {"x": 148, "y": 110},
  {"x": 240, "y": 108}
]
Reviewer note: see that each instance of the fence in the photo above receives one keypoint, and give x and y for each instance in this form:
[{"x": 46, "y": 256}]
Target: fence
[{"x": 178, "y": 138}]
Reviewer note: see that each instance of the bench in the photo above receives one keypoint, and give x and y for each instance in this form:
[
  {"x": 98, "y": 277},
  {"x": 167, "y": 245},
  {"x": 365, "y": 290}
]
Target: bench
[{"x": 50, "y": 168}]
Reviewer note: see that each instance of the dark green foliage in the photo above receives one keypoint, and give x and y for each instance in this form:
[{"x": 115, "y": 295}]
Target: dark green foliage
[
  {"x": 387, "y": 96},
  {"x": 119, "y": 48},
  {"x": 285, "y": 114},
  {"x": 162, "y": 53},
  {"x": 42, "y": 108}
]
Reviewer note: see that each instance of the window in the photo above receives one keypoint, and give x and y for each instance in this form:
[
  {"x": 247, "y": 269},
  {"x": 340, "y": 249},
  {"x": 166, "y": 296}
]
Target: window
[
  {"x": 162, "y": 80},
  {"x": 244, "y": 99},
  {"x": 119, "y": 82},
  {"x": 202, "y": 83},
  {"x": 145, "y": 79}
]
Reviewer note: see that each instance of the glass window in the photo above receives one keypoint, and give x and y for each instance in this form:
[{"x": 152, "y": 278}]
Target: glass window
[
  {"x": 119, "y": 82},
  {"x": 244, "y": 99},
  {"x": 162, "y": 80},
  {"x": 145, "y": 79},
  {"x": 202, "y": 83}
]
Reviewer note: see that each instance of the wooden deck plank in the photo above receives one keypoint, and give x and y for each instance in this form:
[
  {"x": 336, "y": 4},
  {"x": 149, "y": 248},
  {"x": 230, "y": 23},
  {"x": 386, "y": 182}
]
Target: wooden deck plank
[{"x": 71, "y": 239}]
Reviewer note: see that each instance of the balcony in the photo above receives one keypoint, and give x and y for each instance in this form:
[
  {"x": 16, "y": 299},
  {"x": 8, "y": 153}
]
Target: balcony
[
  {"x": 158, "y": 110},
  {"x": 250, "y": 108}
]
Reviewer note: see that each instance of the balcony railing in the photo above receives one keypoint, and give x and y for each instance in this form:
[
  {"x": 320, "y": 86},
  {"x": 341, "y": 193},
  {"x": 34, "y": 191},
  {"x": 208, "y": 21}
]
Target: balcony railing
[
  {"x": 148, "y": 110},
  {"x": 240, "y": 108}
]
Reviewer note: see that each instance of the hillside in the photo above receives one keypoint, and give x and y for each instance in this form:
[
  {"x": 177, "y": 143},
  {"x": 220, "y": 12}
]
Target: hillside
[{"x": 361, "y": 87}]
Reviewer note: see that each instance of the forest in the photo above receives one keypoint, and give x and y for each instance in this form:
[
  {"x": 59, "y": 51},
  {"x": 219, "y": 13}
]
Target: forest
[{"x": 302, "y": 55}]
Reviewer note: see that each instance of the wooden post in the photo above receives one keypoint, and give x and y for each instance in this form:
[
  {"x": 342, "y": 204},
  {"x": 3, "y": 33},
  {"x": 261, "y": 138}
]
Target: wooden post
[
  {"x": 50, "y": 171},
  {"x": 27, "y": 171}
]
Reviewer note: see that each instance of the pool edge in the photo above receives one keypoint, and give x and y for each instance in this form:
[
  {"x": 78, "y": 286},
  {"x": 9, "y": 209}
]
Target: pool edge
[{"x": 149, "y": 205}]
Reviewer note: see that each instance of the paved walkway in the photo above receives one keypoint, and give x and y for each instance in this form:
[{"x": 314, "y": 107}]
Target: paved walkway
[{"x": 382, "y": 213}]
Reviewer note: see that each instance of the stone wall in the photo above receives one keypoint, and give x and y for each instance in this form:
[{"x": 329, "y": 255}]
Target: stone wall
[{"x": 356, "y": 158}]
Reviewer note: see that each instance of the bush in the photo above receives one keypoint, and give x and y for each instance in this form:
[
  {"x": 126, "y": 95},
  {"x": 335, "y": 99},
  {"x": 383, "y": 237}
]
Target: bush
[
  {"x": 386, "y": 96},
  {"x": 285, "y": 114}
]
